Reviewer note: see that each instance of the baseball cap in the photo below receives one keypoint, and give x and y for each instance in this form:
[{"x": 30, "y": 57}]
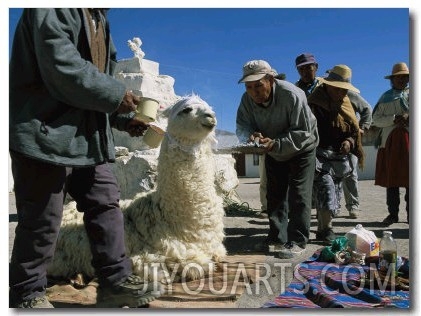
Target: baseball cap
[
  {"x": 305, "y": 59},
  {"x": 255, "y": 70}
]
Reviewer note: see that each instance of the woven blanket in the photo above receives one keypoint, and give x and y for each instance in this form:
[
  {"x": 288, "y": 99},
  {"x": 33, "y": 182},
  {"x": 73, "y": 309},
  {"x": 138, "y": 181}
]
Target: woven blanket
[{"x": 319, "y": 284}]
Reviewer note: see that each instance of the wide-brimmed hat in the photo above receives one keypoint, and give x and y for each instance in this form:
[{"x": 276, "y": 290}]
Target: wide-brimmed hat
[
  {"x": 305, "y": 59},
  {"x": 340, "y": 77},
  {"x": 255, "y": 70},
  {"x": 398, "y": 69}
]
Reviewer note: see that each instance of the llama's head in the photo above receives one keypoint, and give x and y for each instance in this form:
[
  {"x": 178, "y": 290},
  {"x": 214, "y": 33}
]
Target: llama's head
[{"x": 190, "y": 121}]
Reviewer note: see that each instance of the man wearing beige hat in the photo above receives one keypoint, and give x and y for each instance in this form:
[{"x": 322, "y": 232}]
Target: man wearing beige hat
[
  {"x": 276, "y": 112},
  {"x": 307, "y": 67},
  {"x": 391, "y": 115},
  {"x": 340, "y": 137}
]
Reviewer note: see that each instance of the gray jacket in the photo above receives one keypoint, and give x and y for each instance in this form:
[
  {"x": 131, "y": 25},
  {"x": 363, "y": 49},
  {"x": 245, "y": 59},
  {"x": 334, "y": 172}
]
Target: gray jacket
[
  {"x": 60, "y": 105},
  {"x": 288, "y": 120},
  {"x": 362, "y": 107}
]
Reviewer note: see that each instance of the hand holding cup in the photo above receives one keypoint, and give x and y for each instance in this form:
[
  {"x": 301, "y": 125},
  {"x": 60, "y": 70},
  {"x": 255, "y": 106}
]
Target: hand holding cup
[{"x": 129, "y": 103}]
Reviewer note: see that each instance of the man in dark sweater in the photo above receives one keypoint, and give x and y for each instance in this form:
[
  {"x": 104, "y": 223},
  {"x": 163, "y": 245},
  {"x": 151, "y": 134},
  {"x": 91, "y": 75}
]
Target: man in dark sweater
[{"x": 63, "y": 102}]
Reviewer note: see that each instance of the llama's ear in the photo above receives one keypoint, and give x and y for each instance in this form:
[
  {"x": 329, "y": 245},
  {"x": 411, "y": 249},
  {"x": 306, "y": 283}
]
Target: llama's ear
[{"x": 166, "y": 112}]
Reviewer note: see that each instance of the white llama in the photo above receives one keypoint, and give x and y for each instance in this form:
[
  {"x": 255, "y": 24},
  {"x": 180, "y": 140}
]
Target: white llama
[{"x": 178, "y": 226}]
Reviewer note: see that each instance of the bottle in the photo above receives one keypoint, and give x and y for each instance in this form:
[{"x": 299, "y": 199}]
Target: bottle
[{"x": 388, "y": 254}]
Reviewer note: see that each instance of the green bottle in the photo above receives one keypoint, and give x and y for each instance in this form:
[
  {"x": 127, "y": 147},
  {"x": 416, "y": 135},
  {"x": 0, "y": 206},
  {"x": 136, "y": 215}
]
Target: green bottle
[{"x": 388, "y": 254}]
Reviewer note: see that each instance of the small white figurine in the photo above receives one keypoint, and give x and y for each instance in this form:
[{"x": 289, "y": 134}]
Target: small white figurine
[{"x": 134, "y": 45}]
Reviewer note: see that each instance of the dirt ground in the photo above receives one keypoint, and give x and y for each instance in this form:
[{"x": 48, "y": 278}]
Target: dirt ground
[{"x": 252, "y": 278}]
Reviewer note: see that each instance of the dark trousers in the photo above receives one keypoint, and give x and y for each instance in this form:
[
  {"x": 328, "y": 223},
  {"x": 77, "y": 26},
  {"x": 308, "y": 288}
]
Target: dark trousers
[
  {"x": 289, "y": 193},
  {"x": 393, "y": 200},
  {"x": 40, "y": 189}
]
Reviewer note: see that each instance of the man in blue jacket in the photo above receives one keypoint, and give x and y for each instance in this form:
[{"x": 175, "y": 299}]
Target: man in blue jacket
[{"x": 63, "y": 102}]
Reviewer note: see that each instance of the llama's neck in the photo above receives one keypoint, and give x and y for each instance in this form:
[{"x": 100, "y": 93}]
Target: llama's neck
[{"x": 183, "y": 175}]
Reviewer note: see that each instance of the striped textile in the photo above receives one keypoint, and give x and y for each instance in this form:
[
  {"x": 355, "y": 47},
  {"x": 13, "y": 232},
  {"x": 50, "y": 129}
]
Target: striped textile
[{"x": 327, "y": 285}]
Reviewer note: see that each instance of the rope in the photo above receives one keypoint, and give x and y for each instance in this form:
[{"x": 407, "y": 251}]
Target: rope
[{"x": 232, "y": 208}]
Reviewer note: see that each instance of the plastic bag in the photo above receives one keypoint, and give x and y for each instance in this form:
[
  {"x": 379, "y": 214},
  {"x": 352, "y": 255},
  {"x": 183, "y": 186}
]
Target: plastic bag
[
  {"x": 328, "y": 253},
  {"x": 363, "y": 241}
]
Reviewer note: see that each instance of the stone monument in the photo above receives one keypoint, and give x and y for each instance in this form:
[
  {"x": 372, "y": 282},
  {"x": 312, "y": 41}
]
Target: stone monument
[{"x": 136, "y": 163}]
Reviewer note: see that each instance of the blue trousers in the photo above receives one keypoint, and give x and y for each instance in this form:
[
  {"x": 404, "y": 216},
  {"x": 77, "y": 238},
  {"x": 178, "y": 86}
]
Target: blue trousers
[{"x": 40, "y": 189}]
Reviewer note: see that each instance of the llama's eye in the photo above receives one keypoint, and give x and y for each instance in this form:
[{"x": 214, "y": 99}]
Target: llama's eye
[{"x": 187, "y": 110}]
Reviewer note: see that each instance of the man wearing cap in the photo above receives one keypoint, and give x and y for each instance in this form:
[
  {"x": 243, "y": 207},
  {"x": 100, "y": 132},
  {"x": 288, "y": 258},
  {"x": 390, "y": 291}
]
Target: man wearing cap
[
  {"x": 307, "y": 67},
  {"x": 277, "y": 113},
  {"x": 339, "y": 133},
  {"x": 391, "y": 114}
]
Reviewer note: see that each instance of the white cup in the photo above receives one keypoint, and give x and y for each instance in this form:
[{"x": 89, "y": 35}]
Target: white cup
[
  {"x": 147, "y": 110},
  {"x": 153, "y": 136}
]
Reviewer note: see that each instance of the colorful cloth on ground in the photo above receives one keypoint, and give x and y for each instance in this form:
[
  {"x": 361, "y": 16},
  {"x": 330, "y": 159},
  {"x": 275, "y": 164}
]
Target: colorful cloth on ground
[{"x": 319, "y": 284}]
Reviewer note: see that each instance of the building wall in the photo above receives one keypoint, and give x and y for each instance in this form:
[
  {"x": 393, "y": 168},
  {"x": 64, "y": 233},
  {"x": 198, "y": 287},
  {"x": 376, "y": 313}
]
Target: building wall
[
  {"x": 370, "y": 164},
  {"x": 252, "y": 169}
]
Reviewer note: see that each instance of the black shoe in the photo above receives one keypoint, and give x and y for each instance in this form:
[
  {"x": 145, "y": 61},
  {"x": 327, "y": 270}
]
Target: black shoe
[
  {"x": 326, "y": 235},
  {"x": 289, "y": 250},
  {"x": 329, "y": 236},
  {"x": 390, "y": 219},
  {"x": 262, "y": 214},
  {"x": 268, "y": 245},
  {"x": 132, "y": 292}
]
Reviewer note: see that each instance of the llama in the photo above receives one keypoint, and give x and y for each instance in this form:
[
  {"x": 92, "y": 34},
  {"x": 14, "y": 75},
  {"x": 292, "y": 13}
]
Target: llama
[{"x": 179, "y": 225}]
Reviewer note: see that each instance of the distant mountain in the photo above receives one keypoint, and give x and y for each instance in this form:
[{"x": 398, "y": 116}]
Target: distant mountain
[
  {"x": 226, "y": 139},
  {"x": 220, "y": 132}
]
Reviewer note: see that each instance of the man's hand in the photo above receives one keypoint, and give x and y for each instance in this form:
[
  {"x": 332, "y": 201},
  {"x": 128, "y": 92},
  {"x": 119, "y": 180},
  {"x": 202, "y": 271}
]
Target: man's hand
[
  {"x": 253, "y": 137},
  {"x": 267, "y": 144},
  {"x": 136, "y": 127},
  {"x": 262, "y": 142},
  {"x": 129, "y": 103}
]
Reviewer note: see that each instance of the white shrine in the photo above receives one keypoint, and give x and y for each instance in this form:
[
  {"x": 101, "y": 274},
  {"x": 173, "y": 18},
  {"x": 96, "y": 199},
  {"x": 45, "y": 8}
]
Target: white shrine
[{"x": 136, "y": 163}]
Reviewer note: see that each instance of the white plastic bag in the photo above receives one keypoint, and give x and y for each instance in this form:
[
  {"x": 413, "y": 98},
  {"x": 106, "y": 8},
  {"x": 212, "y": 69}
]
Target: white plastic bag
[{"x": 363, "y": 241}]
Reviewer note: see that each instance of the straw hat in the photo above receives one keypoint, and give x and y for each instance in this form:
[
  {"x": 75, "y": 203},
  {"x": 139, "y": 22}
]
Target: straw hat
[
  {"x": 398, "y": 69},
  {"x": 340, "y": 77}
]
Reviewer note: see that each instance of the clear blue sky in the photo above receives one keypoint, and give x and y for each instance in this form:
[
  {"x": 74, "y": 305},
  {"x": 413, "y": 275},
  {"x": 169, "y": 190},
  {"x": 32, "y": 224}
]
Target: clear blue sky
[{"x": 204, "y": 49}]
